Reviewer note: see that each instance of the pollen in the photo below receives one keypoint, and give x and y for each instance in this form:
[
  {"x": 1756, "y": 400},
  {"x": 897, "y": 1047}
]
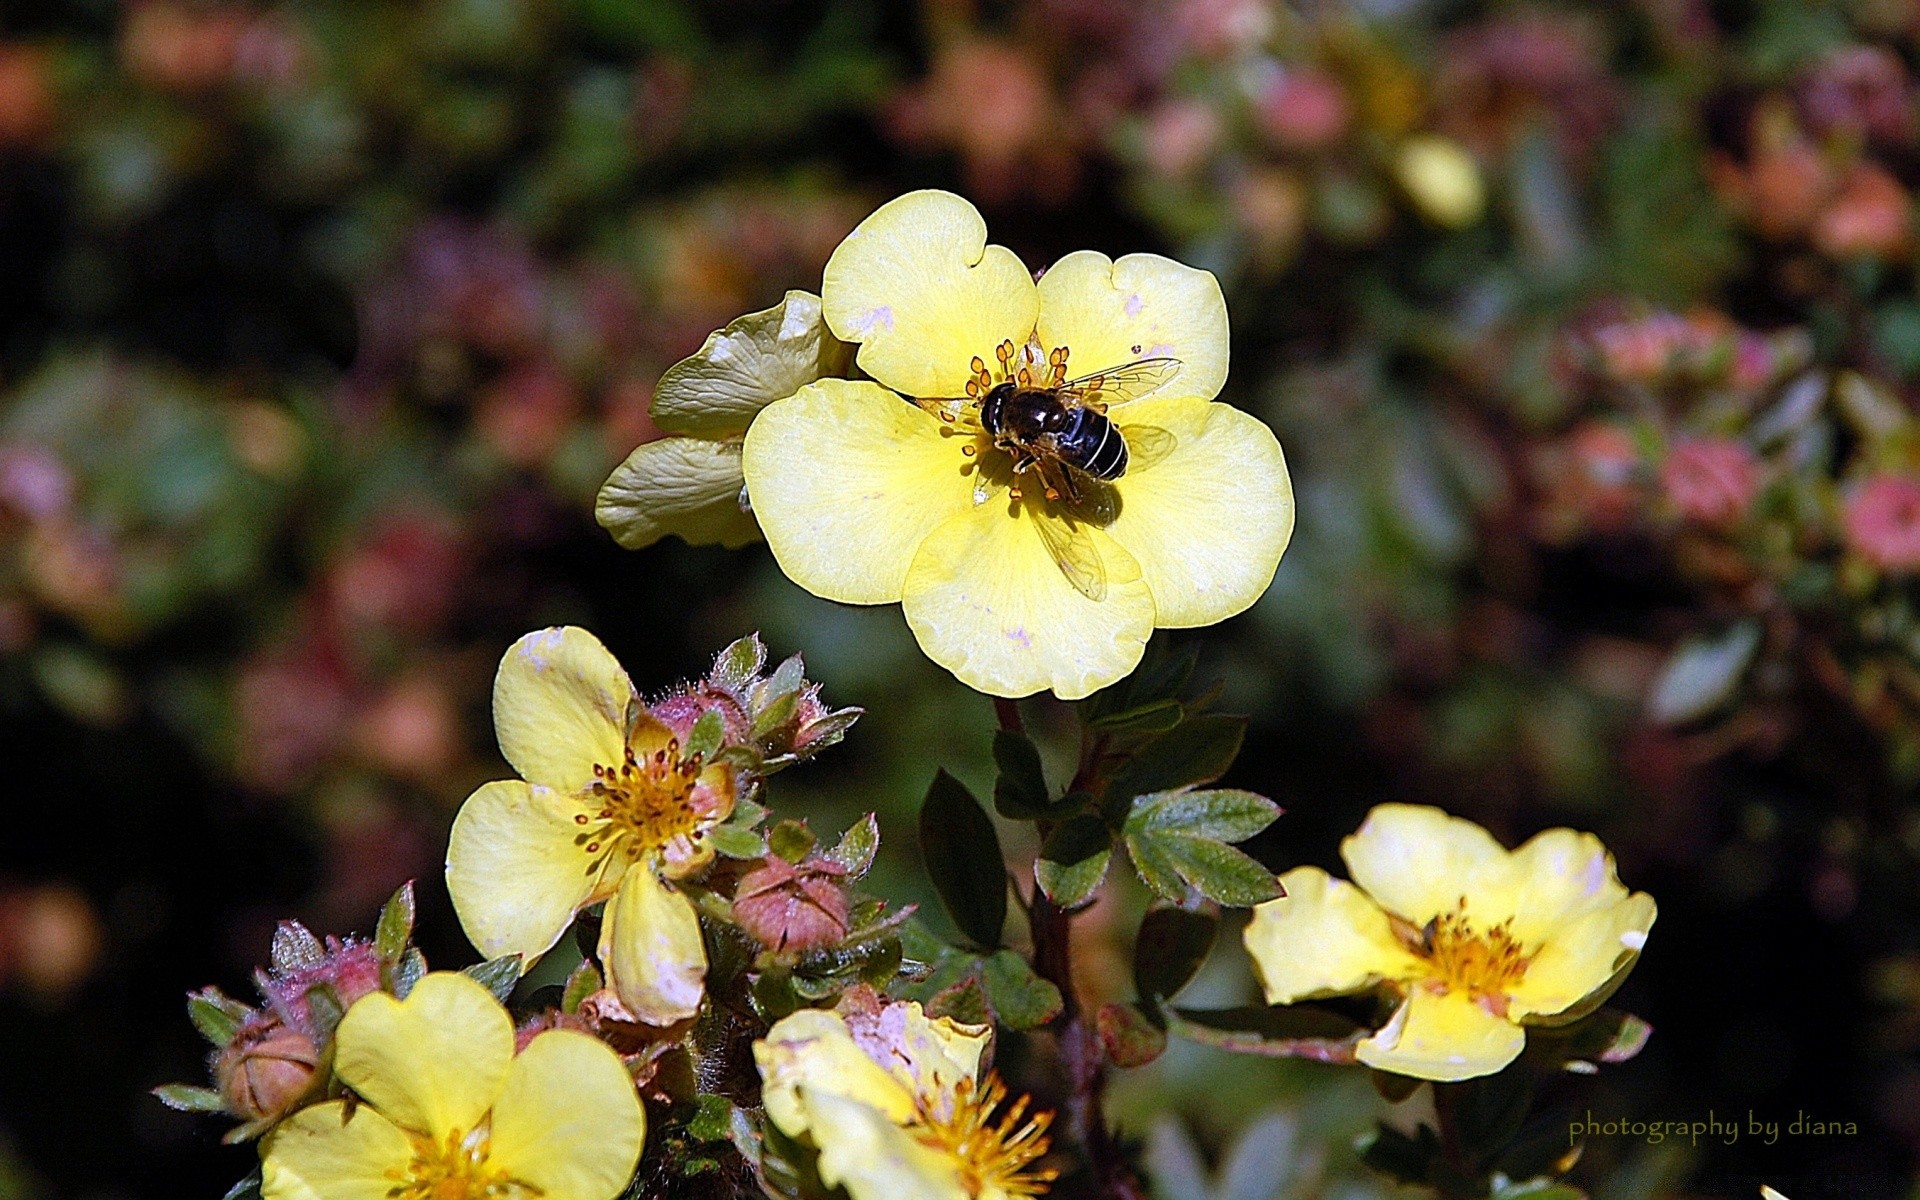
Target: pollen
[
  {"x": 1482, "y": 963},
  {"x": 455, "y": 1169},
  {"x": 648, "y": 800},
  {"x": 994, "y": 1143}
]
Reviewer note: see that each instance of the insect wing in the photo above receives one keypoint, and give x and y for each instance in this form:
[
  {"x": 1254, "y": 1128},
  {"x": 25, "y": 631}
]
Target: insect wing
[
  {"x": 1147, "y": 445},
  {"x": 1121, "y": 385},
  {"x": 1071, "y": 544},
  {"x": 948, "y": 410}
]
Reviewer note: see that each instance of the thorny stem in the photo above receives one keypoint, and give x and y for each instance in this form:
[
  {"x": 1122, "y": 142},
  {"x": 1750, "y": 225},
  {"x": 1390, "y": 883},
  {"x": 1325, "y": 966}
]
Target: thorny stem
[{"x": 1080, "y": 1045}]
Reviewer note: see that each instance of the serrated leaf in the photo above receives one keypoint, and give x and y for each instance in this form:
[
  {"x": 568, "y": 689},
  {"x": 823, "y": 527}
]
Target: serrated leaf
[
  {"x": 185, "y": 1097},
  {"x": 758, "y": 358},
  {"x": 738, "y": 665},
  {"x": 708, "y": 734},
  {"x": 684, "y": 486},
  {"x": 1073, "y": 861},
  {"x": 736, "y": 842},
  {"x": 294, "y": 947},
  {"x": 584, "y": 981},
  {"x": 1224, "y": 814},
  {"x": 962, "y": 854},
  {"x": 216, "y": 1015},
  {"x": 1131, "y": 1039},
  {"x": 857, "y": 846},
  {"x": 1198, "y": 750},
  {"x": 1020, "y": 787},
  {"x": 1703, "y": 674},
  {"x": 1170, "y": 949},
  {"x": 1295, "y": 1031},
  {"x": 791, "y": 840},
  {"x": 497, "y": 975},
  {"x": 395, "y": 929},
  {"x": 1021, "y": 998}
]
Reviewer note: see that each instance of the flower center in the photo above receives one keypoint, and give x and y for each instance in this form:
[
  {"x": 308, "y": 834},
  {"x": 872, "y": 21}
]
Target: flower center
[
  {"x": 1484, "y": 964},
  {"x": 647, "y": 800},
  {"x": 992, "y": 1151},
  {"x": 455, "y": 1169}
]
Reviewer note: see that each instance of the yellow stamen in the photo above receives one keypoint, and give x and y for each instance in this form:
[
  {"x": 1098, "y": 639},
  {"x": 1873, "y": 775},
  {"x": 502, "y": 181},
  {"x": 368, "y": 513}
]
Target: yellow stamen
[
  {"x": 1484, "y": 964},
  {"x": 992, "y": 1152},
  {"x": 648, "y": 800},
  {"x": 456, "y": 1169}
]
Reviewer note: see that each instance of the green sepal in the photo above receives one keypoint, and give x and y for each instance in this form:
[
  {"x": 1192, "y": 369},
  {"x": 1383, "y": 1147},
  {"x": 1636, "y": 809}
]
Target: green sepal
[
  {"x": 216, "y": 1015},
  {"x": 857, "y": 846},
  {"x": 582, "y": 982},
  {"x": 497, "y": 975},
  {"x": 186, "y": 1097},
  {"x": 395, "y": 928}
]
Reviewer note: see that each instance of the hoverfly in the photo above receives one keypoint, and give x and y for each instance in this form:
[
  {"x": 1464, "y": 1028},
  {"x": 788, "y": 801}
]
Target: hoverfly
[{"x": 1056, "y": 430}]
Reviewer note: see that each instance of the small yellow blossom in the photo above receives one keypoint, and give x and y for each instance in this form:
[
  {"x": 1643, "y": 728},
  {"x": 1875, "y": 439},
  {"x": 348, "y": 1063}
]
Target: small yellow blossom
[
  {"x": 898, "y": 1105},
  {"x": 1442, "y": 180},
  {"x": 607, "y": 808},
  {"x": 450, "y": 1112},
  {"x": 1475, "y": 941},
  {"x": 868, "y": 499}
]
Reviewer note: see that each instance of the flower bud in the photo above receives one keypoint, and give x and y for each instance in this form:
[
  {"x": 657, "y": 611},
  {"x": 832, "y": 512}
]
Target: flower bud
[
  {"x": 793, "y": 906},
  {"x": 266, "y": 1069},
  {"x": 1712, "y": 481}
]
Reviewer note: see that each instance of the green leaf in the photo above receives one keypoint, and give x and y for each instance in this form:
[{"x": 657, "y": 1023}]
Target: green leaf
[
  {"x": 395, "y": 929},
  {"x": 736, "y": 842},
  {"x": 791, "y": 840},
  {"x": 1703, "y": 674},
  {"x": 712, "y": 1119},
  {"x": 1172, "y": 946},
  {"x": 497, "y": 975},
  {"x": 1198, "y": 750},
  {"x": 1020, "y": 789},
  {"x": 708, "y": 734},
  {"x": 777, "y": 715},
  {"x": 1073, "y": 861},
  {"x": 688, "y": 487},
  {"x": 1021, "y": 998},
  {"x": 1156, "y": 869},
  {"x": 1220, "y": 872},
  {"x": 411, "y": 968},
  {"x": 216, "y": 1015},
  {"x": 1225, "y": 814},
  {"x": 962, "y": 854},
  {"x": 1538, "y": 1189},
  {"x": 857, "y": 846},
  {"x": 758, "y": 358},
  {"x": 584, "y": 981},
  {"x": 246, "y": 1189},
  {"x": 187, "y": 1098},
  {"x": 1489, "y": 1111},
  {"x": 1131, "y": 1038},
  {"x": 965, "y": 1001},
  {"x": 738, "y": 665},
  {"x": 1294, "y": 1031},
  {"x": 1157, "y": 717},
  {"x": 1407, "y": 1159}
]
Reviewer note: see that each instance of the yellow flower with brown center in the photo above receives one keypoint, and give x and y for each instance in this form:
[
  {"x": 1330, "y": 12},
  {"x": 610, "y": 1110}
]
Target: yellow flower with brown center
[
  {"x": 608, "y": 808},
  {"x": 897, "y": 1104},
  {"x": 450, "y": 1112},
  {"x": 1475, "y": 941},
  {"x": 1027, "y": 550}
]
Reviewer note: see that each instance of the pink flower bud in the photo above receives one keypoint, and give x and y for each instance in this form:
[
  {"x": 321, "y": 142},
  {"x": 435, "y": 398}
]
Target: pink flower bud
[
  {"x": 352, "y": 968},
  {"x": 1712, "y": 481},
  {"x": 680, "y": 709},
  {"x": 1882, "y": 522},
  {"x": 793, "y": 907},
  {"x": 266, "y": 1069}
]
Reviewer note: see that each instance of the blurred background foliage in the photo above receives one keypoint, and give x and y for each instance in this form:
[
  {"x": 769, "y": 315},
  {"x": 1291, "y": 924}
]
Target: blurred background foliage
[{"x": 1591, "y": 331}]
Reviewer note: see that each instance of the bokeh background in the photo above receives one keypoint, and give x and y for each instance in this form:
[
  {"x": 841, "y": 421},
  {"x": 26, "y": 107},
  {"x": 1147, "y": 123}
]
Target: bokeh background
[{"x": 1590, "y": 329}]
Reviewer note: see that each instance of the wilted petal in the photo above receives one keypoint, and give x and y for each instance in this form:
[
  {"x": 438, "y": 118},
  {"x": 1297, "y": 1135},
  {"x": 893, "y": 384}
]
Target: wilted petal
[
  {"x": 812, "y": 1049},
  {"x": 864, "y": 1151},
  {"x": 650, "y": 943},
  {"x": 686, "y": 486}
]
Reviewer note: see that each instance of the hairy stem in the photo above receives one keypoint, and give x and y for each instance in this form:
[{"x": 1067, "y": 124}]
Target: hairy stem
[{"x": 1080, "y": 1047}]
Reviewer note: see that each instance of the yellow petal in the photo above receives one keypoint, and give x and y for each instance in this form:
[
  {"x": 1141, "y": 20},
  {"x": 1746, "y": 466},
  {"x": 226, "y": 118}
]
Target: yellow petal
[
  {"x": 1111, "y": 313},
  {"x": 987, "y": 602},
  {"x": 1323, "y": 938},
  {"x": 847, "y": 479},
  {"x": 1560, "y": 876},
  {"x": 1209, "y": 521},
  {"x": 432, "y": 1063},
  {"x": 931, "y": 1055},
  {"x": 650, "y": 943},
  {"x": 813, "y": 1049},
  {"x": 568, "y": 1121},
  {"x": 872, "y": 1157},
  {"x": 1445, "y": 1037},
  {"x": 515, "y": 871},
  {"x": 560, "y": 707},
  {"x": 1582, "y": 962},
  {"x": 686, "y": 486},
  {"x": 1417, "y": 862},
  {"x": 919, "y": 288},
  {"x": 316, "y": 1154}
]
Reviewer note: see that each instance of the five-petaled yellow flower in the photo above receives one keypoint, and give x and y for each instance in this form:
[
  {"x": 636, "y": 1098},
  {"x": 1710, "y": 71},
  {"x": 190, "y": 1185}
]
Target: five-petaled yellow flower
[
  {"x": 608, "y": 807},
  {"x": 452, "y": 1113},
  {"x": 1476, "y": 941},
  {"x": 898, "y": 1105},
  {"x": 1005, "y": 580}
]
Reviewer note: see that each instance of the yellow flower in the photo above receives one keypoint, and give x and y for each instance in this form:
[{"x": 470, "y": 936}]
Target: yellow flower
[
  {"x": 897, "y": 1105},
  {"x": 1006, "y": 579},
  {"x": 451, "y": 1113},
  {"x": 1475, "y": 940},
  {"x": 607, "y": 808}
]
